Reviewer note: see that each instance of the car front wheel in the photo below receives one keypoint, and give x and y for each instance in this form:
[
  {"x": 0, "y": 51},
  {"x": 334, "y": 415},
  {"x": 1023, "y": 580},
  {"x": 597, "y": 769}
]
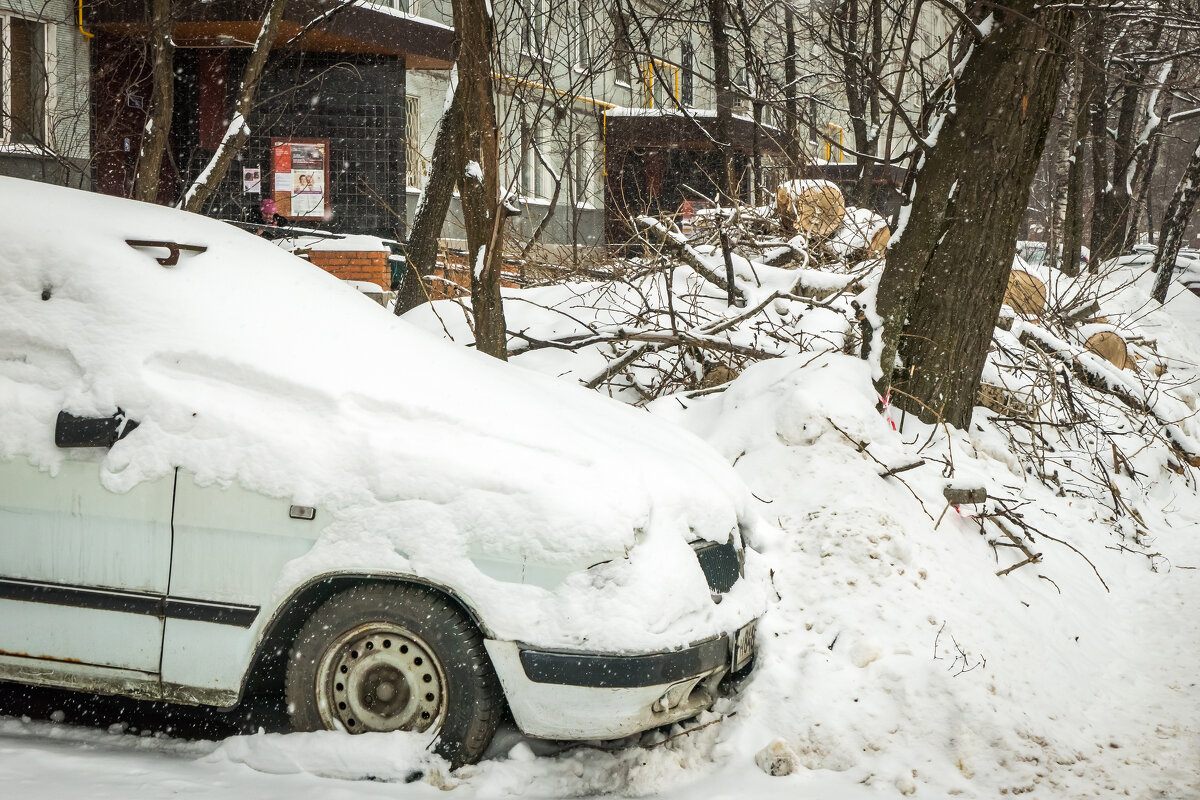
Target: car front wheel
[{"x": 382, "y": 658}]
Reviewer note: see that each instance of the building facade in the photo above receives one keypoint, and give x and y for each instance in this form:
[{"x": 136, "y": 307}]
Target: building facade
[
  {"x": 607, "y": 108},
  {"x": 328, "y": 128},
  {"x": 44, "y": 92}
]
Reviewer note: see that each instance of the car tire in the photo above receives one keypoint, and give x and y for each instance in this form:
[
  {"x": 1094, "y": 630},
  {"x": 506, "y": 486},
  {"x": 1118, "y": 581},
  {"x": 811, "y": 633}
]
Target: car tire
[{"x": 394, "y": 657}]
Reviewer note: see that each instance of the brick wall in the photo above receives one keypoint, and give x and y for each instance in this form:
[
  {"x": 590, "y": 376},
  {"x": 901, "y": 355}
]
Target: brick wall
[
  {"x": 455, "y": 277},
  {"x": 353, "y": 265}
]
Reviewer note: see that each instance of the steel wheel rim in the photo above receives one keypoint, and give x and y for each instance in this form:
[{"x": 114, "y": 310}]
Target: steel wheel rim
[{"x": 380, "y": 677}]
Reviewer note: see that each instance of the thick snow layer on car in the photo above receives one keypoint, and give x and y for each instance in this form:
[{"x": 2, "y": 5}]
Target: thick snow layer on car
[{"x": 243, "y": 363}]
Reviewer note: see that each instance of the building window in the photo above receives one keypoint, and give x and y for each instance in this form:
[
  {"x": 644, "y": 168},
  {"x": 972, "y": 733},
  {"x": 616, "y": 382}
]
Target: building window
[
  {"x": 25, "y": 80},
  {"x": 661, "y": 81},
  {"x": 583, "y": 33},
  {"x": 533, "y": 178},
  {"x": 407, "y": 6},
  {"x": 533, "y": 27},
  {"x": 622, "y": 49},
  {"x": 414, "y": 165},
  {"x": 583, "y": 169},
  {"x": 687, "y": 74},
  {"x": 537, "y": 178}
]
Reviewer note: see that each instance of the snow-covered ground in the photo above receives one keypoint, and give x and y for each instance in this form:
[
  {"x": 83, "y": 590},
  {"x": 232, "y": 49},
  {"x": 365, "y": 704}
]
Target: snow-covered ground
[{"x": 893, "y": 661}]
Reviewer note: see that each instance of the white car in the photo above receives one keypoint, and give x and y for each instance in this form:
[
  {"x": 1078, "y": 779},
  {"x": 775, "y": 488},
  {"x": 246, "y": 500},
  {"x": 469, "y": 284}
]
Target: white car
[
  {"x": 1187, "y": 264},
  {"x": 224, "y": 474}
]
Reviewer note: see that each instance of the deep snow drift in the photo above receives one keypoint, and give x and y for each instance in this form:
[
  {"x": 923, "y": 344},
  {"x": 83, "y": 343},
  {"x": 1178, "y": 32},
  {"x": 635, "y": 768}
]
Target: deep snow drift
[{"x": 894, "y": 661}]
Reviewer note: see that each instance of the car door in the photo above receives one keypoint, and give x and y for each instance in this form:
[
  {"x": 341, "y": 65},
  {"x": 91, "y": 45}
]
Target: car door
[
  {"x": 83, "y": 570},
  {"x": 231, "y": 546}
]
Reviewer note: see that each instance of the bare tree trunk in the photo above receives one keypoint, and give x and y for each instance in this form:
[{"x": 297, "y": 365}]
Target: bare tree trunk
[
  {"x": 945, "y": 276},
  {"x": 760, "y": 195},
  {"x": 1175, "y": 222},
  {"x": 162, "y": 104},
  {"x": 1098, "y": 113},
  {"x": 421, "y": 249},
  {"x": 791, "y": 143},
  {"x": 479, "y": 173},
  {"x": 868, "y": 145},
  {"x": 1118, "y": 192},
  {"x": 1065, "y": 152},
  {"x": 720, "y": 44},
  {"x": 1089, "y": 44},
  {"x": 1146, "y": 155},
  {"x": 239, "y": 130}
]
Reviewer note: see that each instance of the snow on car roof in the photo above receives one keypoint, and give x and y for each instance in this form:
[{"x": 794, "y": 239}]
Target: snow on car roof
[{"x": 244, "y": 363}]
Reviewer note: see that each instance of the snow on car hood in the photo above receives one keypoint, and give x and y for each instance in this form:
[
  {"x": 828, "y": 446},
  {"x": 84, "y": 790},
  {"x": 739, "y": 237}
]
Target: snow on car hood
[{"x": 243, "y": 363}]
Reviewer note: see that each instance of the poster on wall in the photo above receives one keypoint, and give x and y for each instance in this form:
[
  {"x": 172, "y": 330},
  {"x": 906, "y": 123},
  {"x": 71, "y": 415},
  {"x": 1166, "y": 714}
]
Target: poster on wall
[
  {"x": 300, "y": 169},
  {"x": 251, "y": 180}
]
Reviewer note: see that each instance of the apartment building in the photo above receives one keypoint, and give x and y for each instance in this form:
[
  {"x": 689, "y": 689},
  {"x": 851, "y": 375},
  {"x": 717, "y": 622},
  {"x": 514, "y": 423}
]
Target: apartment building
[
  {"x": 44, "y": 98},
  {"x": 608, "y": 107},
  {"x": 326, "y": 143},
  {"x": 600, "y": 114}
]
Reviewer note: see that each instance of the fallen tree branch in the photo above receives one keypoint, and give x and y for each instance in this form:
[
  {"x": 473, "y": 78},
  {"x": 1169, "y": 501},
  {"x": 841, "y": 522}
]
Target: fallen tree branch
[{"x": 648, "y": 228}]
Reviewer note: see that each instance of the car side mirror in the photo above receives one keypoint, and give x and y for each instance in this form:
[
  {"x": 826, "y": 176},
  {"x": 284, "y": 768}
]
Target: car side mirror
[{"x": 73, "y": 431}]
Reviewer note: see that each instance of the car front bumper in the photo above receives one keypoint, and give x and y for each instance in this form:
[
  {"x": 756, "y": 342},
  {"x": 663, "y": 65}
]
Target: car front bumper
[{"x": 580, "y": 695}]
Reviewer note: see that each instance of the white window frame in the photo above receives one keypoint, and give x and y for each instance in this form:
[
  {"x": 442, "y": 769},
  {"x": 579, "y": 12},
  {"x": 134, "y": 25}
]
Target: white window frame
[
  {"x": 49, "y": 66},
  {"x": 412, "y": 7},
  {"x": 535, "y": 180},
  {"x": 581, "y": 53},
  {"x": 583, "y": 169},
  {"x": 533, "y": 28}
]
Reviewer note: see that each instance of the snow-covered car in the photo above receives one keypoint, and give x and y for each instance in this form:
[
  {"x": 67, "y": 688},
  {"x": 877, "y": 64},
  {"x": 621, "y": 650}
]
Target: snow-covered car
[
  {"x": 1035, "y": 253},
  {"x": 225, "y": 474},
  {"x": 1187, "y": 264}
]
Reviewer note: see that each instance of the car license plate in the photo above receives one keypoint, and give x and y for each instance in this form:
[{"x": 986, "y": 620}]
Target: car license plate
[{"x": 743, "y": 646}]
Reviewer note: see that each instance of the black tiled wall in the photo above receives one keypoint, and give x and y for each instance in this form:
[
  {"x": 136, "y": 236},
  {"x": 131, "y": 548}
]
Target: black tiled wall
[{"x": 355, "y": 101}]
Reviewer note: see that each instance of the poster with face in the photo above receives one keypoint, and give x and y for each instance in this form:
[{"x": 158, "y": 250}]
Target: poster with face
[
  {"x": 251, "y": 180},
  {"x": 300, "y": 168}
]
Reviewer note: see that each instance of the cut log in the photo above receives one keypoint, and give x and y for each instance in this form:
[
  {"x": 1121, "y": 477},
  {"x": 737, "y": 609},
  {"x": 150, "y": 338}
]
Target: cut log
[
  {"x": 718, "y": 375},
  {"x": 1187, "y": 448},
  {"x": 879, "y": 240},
  {"x": 1026, "y": 294},
  {"x": 862, "y": 235},
  {"x": 1111, "y": 347},
  {"x": 812, "y": 206},
  {"x": 1004, "y": 402}
]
